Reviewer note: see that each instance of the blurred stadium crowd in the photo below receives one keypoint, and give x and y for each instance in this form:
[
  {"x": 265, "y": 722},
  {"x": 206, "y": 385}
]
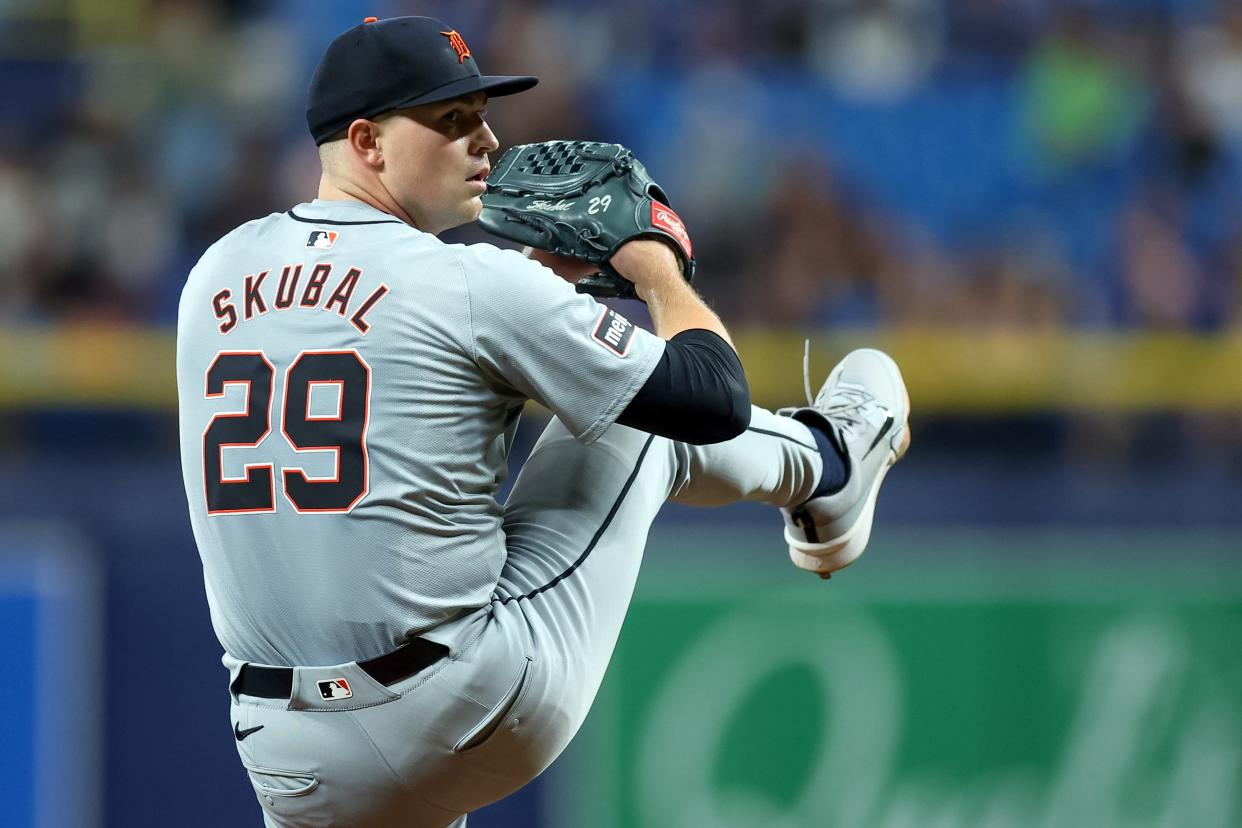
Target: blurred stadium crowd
[
  {"x": 985, "y": 163},
  {"x": 1035, "y": 205}
]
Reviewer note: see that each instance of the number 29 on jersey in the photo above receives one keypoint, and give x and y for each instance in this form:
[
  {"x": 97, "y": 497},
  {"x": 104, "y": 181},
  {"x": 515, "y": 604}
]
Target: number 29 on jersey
[{"x": 339, "y": 428}]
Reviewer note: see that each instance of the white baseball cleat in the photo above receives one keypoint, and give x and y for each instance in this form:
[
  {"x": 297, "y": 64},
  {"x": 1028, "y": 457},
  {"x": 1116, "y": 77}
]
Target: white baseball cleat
[{"x": 864, "y": 404}]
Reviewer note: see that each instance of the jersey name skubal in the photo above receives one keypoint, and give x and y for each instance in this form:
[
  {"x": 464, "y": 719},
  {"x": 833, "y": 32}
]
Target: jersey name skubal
[
  {"x": 344, "y": 488},
  {"x": 321, "y": 286}
]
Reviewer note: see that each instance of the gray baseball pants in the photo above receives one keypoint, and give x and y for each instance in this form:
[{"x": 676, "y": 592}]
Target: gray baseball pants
[{"x": 522, "y": 671}]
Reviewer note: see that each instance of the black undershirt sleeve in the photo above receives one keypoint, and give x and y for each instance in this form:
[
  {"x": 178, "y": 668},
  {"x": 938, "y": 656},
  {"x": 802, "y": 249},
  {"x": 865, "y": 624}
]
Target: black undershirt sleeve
[{"x": 697, "y": 394}]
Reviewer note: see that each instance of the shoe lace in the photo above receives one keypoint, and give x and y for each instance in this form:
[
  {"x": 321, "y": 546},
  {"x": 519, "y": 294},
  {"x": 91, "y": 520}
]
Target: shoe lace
[
  {"x": 845, "y": 405},
  {"x": 806, "y": 369},
  {"x": 842, "y": 405}
]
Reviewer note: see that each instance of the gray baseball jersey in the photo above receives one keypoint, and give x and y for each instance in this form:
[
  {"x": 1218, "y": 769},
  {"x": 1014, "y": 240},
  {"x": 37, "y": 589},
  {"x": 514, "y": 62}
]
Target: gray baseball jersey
[{"x": 349, "y": 387}]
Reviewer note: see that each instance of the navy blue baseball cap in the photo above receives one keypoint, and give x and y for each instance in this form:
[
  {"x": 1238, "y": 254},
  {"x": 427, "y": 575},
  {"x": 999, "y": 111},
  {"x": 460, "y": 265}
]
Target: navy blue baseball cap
[{"x": 390, "y": 64}]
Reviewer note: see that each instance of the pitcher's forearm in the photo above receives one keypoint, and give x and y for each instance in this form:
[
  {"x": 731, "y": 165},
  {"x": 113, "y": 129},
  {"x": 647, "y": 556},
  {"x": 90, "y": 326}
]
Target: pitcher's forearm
[
  {"x": 655, "y": 270},
  {"x": 675, "y": 307}
]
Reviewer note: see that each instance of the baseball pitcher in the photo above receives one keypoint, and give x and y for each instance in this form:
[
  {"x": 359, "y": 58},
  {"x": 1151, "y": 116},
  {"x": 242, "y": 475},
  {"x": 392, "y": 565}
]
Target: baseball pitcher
[{"x": 402, "y": 648}]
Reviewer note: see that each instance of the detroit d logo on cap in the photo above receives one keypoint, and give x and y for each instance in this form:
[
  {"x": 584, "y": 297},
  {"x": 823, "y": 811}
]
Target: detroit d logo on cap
[
  {"x": 458, "y": 44},
  {"x": 333, "y": 689}
]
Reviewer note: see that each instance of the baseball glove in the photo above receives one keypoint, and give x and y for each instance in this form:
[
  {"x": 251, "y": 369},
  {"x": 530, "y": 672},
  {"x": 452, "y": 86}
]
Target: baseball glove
[{"x": 584, "y": 200}]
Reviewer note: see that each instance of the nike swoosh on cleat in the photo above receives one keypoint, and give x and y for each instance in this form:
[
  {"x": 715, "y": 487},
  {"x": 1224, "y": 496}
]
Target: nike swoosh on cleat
[
  {"x": 888, "y": 424},
  {"x": 242, "y": 734}
]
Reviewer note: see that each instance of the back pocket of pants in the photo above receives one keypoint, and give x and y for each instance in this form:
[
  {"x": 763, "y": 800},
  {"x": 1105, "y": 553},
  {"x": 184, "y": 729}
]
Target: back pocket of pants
[
  {"x": 480, "y": 733},
  {"x": 276, "y": 782}
]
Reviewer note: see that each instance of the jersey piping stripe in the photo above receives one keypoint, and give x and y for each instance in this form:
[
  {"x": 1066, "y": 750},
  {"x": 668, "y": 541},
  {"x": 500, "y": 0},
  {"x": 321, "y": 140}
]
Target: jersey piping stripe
[
  {"x": 782, "y": 436},
  {"x": 638, "y": 464},
  {"x": 296, "y": 217}
]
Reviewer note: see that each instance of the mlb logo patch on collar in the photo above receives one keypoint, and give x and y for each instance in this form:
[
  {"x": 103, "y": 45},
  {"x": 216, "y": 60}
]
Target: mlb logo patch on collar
[
  {"x": 322, "y": 239},
  {"x": 614, "y": 332},
  {"x": 334, "y": 689}
]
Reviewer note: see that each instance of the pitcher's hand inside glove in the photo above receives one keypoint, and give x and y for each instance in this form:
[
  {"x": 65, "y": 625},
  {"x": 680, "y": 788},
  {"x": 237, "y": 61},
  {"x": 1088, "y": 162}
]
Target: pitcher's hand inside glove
[{"x": 581, "y": 199}]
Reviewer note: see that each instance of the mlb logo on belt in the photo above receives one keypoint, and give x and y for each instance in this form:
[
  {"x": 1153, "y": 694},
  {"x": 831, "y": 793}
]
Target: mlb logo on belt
[
  {"x": 322, "y": 239},
  {"x": 333, "y": 689}
]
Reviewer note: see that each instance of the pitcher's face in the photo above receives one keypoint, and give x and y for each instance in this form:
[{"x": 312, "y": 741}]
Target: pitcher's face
[{"x": 435, "y": 160}]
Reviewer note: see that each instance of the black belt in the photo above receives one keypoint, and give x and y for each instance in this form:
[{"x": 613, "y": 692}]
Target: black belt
[{"x": 390, "y": 668}]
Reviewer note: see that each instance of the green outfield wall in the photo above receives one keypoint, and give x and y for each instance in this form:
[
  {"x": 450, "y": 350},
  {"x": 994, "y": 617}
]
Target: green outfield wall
[{"x": 945, "y": 680}]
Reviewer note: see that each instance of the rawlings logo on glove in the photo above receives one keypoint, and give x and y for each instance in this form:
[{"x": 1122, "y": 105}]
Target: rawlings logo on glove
[
  {"x": 670, "y": 222},
  {"x": 584, "y": 200}
]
